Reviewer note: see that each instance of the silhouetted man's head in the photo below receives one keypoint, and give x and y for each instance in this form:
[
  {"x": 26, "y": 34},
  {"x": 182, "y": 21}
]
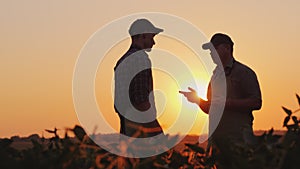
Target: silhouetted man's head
[
  {"x": 220, "y": 44},
  {"x": 142, "y": 32},
  {"x": 218, "y": 39}
]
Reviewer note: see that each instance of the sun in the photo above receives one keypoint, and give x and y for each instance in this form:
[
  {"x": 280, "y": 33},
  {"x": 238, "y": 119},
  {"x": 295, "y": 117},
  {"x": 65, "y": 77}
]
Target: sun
[{"x": 170, "y": 103}]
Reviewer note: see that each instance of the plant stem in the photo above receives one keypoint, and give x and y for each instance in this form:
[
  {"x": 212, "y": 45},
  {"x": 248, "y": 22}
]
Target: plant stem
[{"x": 297, "y": 110}]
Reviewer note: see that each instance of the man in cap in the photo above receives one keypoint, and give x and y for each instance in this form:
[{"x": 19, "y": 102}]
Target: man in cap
[
  {"x": 134, "y": 100},
  {"x": 242, "y": 92}
]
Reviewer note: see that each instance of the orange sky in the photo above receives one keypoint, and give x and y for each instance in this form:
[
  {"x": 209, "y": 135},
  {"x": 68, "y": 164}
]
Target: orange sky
[{"x": 41, "y": 41}]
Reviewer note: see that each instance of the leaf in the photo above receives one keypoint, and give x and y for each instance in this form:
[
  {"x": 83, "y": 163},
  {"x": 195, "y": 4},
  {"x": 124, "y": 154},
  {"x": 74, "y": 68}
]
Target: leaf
[
  {"x": 79, "y": 132},
  {"x": 271, "y": 131},
  {"x": 195, "y": 148},
  {"x": 295, "y": 119},
  {"x": 286, "y": 120},
  {"x": 298, "y": 98},
  {"x": 288, "y": 111}
]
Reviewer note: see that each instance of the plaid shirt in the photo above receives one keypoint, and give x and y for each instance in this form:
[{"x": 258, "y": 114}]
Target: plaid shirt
[{"x": 133, "y": 79}]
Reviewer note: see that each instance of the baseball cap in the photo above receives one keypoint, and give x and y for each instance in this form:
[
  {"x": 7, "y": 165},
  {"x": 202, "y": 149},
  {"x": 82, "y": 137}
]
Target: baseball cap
[
  {"x": 141, "y": 26},
  {"x": 217, "y": 39}
]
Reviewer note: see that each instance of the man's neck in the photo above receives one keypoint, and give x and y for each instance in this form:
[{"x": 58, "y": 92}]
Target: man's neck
[
  {"x": 226, "y": 60},
  {"x": 136, "y": 45}
]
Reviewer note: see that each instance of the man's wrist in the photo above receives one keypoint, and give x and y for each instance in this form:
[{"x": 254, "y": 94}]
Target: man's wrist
[
  {"x": 204, "y": 105},
  {"x": 201, "y": 101}
]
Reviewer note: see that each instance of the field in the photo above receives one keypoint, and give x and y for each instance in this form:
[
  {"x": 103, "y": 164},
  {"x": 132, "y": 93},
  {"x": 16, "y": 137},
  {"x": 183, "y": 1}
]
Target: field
[
  {"x": 266, "y": 150},
  {"x": 81, "y": 152}
]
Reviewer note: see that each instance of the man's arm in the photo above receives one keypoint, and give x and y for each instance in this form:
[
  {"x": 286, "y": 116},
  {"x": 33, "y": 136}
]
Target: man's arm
[
  {"x": 250, "y": 88},
  {"x": 231, "y": 104},
  {"x": 139, "y": 90},
  {"x": 243, "y": 104},
  {"x": 142, "y": 84}
]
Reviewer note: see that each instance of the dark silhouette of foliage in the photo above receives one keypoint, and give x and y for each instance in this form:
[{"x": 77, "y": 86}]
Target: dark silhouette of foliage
[
  {"x": 271, "y": 151},
  {"x": 266, "y": 151}
]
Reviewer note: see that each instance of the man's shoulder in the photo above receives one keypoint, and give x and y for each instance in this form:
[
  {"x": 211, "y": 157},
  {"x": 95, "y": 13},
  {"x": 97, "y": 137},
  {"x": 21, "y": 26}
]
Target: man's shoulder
[
  {"x": 132, "y": 56},
  {"x": 242, "y": 68},
  {"x": 129, "y": 52}
]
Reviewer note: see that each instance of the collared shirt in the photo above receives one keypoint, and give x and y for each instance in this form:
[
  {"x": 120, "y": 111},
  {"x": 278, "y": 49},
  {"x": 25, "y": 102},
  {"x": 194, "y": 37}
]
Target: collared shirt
[
  {"x": 133, "y": 79},
  {"x": 241, "y": 83}
]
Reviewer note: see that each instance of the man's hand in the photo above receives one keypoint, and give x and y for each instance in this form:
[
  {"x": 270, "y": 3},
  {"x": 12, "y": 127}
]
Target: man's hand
[
  {"x": 194, "y": 98},
  {"x": 191, "y": 95}
]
